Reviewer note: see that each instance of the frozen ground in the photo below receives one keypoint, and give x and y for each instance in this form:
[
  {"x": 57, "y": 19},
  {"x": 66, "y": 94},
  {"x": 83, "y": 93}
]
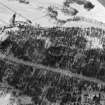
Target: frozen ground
[{"x": 37, "y": 15}]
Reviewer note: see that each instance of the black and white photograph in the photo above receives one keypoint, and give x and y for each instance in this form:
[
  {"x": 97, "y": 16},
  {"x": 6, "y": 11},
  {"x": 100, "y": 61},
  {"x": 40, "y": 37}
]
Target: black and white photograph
[{"x": 52, "y": 52}]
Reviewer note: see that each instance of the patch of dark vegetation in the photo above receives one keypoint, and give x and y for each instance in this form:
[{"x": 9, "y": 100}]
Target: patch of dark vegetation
[
  {"x": 46, "y": 86},
  {"x": 66, "y": 51},
  {"x": 89, "y": 6}
]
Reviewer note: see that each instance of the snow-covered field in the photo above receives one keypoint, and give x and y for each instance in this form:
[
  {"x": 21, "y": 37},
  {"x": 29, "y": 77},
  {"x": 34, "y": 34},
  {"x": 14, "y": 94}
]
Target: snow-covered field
[{"x": 37, "y": 15}]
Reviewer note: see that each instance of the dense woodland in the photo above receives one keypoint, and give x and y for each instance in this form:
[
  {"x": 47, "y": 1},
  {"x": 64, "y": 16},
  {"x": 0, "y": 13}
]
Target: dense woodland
[
  {"x": 67, "y": 50},
  {"x": 46, "y": 87}
]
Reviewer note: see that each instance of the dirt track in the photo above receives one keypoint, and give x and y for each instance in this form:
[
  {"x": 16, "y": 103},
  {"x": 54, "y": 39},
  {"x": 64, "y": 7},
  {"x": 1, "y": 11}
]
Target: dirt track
[{"x": 63, "y": 72}]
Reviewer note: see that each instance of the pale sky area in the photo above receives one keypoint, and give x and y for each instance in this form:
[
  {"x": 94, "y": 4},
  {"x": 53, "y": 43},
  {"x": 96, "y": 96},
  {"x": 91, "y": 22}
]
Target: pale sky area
[{"x": 37, "y": 15}]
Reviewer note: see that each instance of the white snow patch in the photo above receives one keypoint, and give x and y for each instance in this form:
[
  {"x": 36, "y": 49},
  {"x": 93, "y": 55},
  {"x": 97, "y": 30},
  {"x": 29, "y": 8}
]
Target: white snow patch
[
  {"x": 6, "y": 99},
  {"x": 93, "y": 43},
  {"x": 38, "y": 16}
]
